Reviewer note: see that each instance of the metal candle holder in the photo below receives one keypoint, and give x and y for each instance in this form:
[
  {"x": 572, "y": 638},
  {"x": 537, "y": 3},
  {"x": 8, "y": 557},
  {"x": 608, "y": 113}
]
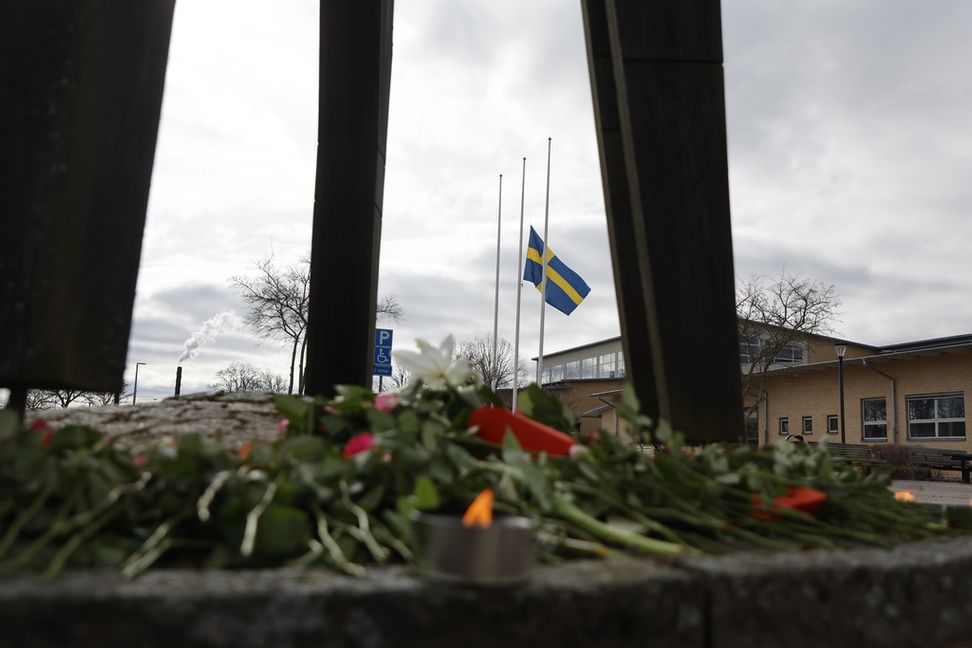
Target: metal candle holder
[{"x": 500, "y": 554}]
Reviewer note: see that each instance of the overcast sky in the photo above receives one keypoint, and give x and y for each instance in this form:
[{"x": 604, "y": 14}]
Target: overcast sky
[{"x": 850, "y": 155}]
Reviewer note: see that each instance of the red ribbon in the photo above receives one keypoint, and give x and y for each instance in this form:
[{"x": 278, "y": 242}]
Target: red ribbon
[{"x": 493, "y": 422}]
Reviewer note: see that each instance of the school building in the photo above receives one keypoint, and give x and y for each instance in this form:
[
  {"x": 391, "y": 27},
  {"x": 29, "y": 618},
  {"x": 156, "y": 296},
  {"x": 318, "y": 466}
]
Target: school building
[{"x": 910, "y": 393}]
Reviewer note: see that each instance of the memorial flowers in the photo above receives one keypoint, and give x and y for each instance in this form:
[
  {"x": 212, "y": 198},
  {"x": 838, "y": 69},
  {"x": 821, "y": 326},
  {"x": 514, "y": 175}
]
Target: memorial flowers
[{"x": 342, "y": 486}]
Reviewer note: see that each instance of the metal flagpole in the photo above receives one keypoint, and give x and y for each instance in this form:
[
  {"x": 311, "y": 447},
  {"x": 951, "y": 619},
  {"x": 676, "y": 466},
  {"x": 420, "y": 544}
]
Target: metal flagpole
[
  {"x": 499, "y": 225},
  {"x": 543, "y": 259},
  {"x": 519, "y": 287}
]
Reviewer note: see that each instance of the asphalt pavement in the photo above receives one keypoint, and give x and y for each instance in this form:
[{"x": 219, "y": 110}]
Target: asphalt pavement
[{"x": 936, "y": 492}]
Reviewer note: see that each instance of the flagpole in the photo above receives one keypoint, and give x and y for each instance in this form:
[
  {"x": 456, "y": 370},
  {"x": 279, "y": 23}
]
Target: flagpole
[
  {"x": 543, "y": 259},
  {"x": 519, "y": 287},
  {"x": 499, "y": 225}
]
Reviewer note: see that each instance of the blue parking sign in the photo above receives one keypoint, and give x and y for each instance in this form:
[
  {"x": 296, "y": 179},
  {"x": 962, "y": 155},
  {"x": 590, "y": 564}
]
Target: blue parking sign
[{"x": 383, "y": 352}]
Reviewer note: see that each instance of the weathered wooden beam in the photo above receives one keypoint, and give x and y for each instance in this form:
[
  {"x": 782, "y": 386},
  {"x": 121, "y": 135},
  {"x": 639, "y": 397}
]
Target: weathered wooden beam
[
  {"x": 632, "y": 293},
  {"x": 355, "y": 80},
  {"x": 674, "y": 236},
  {"x": 80, "y": 95}
]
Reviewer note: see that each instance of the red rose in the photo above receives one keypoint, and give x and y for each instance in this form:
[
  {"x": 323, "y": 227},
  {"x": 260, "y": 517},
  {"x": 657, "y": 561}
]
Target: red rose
[
  {"x": 47, "y": 432},
  {"x": 360, "y": 443}
]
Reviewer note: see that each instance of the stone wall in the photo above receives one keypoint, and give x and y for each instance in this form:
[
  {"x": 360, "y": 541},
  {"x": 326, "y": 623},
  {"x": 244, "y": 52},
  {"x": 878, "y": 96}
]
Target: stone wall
[{"x": 914, "y": 595}]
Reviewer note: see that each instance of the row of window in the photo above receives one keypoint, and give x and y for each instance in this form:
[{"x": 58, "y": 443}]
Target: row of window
[
  {"x": 832, "y": 424},
  {"x": 939, "y": 416},
  {"x": 749, "y": 351},
  {"x": 608, "y": 365}
]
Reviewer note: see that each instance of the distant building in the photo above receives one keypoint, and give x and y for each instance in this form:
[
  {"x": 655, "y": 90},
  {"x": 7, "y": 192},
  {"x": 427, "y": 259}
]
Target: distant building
[{"x": 910, "y": 393}]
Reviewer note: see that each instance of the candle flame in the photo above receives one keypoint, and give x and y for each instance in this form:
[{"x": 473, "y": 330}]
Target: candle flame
[
  {"x": 480, "y": 512},
  {"x": 904, "y": 496}
]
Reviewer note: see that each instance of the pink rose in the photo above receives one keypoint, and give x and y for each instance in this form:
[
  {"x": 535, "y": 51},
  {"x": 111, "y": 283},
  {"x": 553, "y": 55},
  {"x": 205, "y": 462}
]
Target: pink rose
[
  {"x": 282, "y": 426},
  {"x": 140, "y": 459},
  {"x": 387, "y": 401},
  {"x": 360, "y": 443}
]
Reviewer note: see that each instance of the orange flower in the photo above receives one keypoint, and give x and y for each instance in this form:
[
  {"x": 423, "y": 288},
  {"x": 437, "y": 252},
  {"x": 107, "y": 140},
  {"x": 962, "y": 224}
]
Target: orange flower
[
  {"x": 243, "y": 453},
  {"x": 800, "y": 498}
]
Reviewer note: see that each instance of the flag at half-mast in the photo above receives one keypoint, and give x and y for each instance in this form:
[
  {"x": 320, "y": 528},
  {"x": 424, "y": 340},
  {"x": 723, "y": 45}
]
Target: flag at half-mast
[{"x": 565, "y": 288}]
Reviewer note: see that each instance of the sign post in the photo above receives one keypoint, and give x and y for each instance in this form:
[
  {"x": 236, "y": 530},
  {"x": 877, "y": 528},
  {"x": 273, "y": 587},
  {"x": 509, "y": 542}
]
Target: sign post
[{"x": 383, "y": 355}]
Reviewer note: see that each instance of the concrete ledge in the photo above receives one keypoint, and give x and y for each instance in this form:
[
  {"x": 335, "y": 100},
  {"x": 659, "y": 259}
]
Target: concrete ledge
[{"x": 914, "y": 595}]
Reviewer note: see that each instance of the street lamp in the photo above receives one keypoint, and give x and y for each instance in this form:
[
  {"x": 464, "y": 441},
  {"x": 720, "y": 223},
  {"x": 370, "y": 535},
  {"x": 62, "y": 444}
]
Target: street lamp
[
  {"x": 135, "y": 388},
  {"x": 841, "y": 349}
]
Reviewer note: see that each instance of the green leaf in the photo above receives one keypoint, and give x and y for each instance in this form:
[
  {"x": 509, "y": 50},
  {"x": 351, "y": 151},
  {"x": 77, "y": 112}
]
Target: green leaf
[
  {"x": 303, "y": 448},
  {"x": 9, "y": 425},
  {"x": 283, "y": 531},
  {"x": 295, "y": 409},
  {"x": 546, "y": 408},
  {"x": 426, "y": 496}
]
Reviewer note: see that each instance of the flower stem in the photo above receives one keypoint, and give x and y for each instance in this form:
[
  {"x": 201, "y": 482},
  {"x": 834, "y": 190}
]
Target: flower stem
[{"x": 571, "y": 513}]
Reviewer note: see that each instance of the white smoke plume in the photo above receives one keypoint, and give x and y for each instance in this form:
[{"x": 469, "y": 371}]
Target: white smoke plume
[{"x": 209, "y": 330}]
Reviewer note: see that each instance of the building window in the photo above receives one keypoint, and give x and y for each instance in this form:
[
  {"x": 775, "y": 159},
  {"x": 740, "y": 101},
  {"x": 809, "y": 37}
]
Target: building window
[
  {"x": 940, "y": 416},
  {"x": 875, "y": 414},
  {"x": 808, "y": 425},
  {"x": 833, "y": 424},
  {"x": 789, "y": 355},
  {"x": 572, "y": 370},
  {"x": 588, "y": 366},
  {"x": 607, "y": 365},
  {"x": 620, "y": 365},
  {"x": 557, "y": 373},
  {"x": 752, "y": 427},
  {"x": 784, "y": 425},
  {"x": 748, "y": 350}
]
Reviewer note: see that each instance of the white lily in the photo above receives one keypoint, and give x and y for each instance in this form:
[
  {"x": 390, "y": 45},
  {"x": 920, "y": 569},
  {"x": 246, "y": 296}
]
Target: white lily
[{"x": 435, "y": 366}]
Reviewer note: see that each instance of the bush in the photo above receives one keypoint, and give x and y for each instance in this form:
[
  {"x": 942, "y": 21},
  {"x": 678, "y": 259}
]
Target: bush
[{"x": 899, "y": 460}]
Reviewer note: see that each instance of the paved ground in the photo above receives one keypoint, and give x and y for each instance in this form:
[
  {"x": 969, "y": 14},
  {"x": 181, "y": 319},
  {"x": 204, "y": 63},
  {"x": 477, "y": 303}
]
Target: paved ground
[{"x": 950, "y": 493}]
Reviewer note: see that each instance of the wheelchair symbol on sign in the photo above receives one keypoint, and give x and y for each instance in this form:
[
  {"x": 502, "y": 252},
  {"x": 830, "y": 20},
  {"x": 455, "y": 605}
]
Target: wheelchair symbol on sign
[{"x": 382, "y": 357}]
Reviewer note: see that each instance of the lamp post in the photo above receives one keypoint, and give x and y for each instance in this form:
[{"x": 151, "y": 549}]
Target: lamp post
[
  {"x": 135, "y": 387},
  {"x": 841, "y": 349}
]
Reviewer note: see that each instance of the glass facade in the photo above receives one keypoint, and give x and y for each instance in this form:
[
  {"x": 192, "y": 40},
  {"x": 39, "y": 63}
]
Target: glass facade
[{"x": 596, "y": 366}]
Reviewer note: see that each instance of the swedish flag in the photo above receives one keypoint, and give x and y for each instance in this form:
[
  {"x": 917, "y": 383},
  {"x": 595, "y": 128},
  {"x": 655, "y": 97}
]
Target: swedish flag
[{"x": 565, "y": 288}]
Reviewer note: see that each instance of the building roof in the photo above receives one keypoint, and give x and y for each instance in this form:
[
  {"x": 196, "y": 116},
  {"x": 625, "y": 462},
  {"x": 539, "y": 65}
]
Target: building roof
[
  {"x": 931, "y": 343},
  {"x": 616, "y": 338},
  {"x": 894, "y": 352},
  {"x": 882, "y": 350}
]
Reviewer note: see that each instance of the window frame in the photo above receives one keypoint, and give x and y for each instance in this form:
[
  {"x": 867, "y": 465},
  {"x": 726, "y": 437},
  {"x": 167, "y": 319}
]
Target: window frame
[
  {"x": 784, "y": 421},
  {"x": 836, "y": 419},
  {"x": 865, "y": 423},
  {"x": 936, "y": 420},
  {"x": 807, "y": 419}
]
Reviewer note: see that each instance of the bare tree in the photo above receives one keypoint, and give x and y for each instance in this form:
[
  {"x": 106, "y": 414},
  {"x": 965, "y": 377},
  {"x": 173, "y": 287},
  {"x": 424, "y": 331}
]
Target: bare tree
[
  {"x": 38, "y": 399},
  {"x": 399, "y": 378},
  {"x": 242, "y": 376},
  {"x": 478, "y": 352},
  {"x": 278, "y": 300},
  {"x": 776, "y": 318},
  {"x": 388, "y": 308},
  {"x": 101, "y": 399}
]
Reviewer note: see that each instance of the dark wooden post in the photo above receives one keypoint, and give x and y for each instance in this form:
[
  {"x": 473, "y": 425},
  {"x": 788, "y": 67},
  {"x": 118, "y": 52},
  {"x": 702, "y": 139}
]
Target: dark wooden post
[
  {"x": 80, "y": 94},
  {"x": 657, "y": 80},
  {"x": 355, "y": 79}
]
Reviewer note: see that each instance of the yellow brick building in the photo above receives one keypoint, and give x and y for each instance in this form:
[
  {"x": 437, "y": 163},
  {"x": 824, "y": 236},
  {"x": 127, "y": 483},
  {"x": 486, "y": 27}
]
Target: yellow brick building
[{"x": 911, "y": 393}]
